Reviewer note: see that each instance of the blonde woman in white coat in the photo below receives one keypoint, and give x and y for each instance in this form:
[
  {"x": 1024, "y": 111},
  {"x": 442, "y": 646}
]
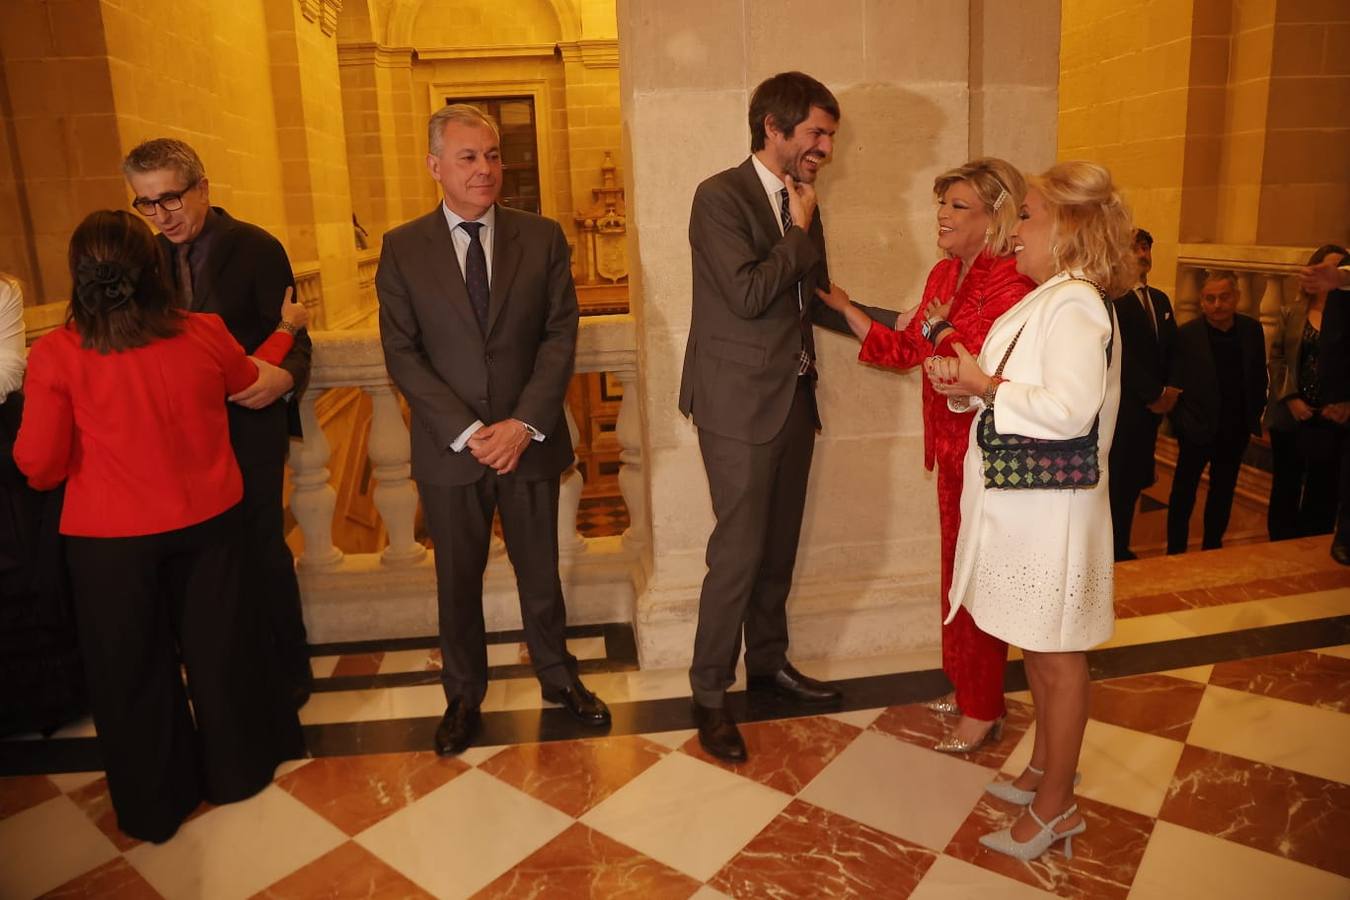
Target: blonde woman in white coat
[{"x": 1034, "y": 566}]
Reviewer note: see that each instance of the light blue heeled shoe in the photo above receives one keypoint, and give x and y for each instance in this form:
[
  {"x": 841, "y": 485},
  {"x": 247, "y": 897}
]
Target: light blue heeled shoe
[
  {"x": 1032, "y": 848},
  {"x": 1005, "y": 790}
]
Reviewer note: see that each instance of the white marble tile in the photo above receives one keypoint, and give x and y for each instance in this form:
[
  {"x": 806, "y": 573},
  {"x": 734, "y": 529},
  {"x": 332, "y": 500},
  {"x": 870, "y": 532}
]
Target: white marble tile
[
  {"x": 290, "y": 766},
  {"x": 838, "y": 669},
  {"x": 69, "y": 782},
  {"x": 47, "y": 845},
  {"x": 1343, "y": 651},
  {"x": 323, "y": 666},
  {"x": 512, "y": 654},
  {"x": 1229, "y": 617},
  {"x": 1192, "y": 673},
  {"x": 658, "y": 684},
  {"x": 954, "y": 879},
  {"x": 464, "y": 834},
  {"x": 1181, "y": 864},
  {"x": 474, "y": 756},
  {"x": 858, "y": 718},
  {"x": 900, "y": 788},
  {"x": 1120, "y": 766},
  {"x": 1291, "y": 735},
  {"x": 587, "y": 647},
  {"x": 707, "y": 893},
  {"x": 405, "y": 661},
  {"x": 672, "y": 739},
  {"x": 236, "y": 850},
  {"x": 374, "y": 705},
  {"x": 688, "y": 814}
]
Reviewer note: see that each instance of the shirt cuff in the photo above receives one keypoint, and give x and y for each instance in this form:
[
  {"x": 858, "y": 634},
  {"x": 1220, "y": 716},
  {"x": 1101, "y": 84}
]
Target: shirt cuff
[{"x": 464, "y": 435}]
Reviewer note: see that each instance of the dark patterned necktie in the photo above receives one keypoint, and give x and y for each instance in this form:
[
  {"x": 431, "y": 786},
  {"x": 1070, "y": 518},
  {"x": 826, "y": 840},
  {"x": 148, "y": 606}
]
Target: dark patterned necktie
[
  {"x": 476, "y": 274},
  {"x": 807, "y": 362},
  {"x": 185, "y": 275}
]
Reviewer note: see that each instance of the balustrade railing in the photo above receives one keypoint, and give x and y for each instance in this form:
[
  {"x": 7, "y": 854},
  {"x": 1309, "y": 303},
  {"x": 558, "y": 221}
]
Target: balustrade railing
[{"x": 1267, "y": 278}]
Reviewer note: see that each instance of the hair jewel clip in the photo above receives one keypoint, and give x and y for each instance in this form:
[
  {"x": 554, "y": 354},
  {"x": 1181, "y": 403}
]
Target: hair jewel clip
[{"x": 1002, "y": 196}]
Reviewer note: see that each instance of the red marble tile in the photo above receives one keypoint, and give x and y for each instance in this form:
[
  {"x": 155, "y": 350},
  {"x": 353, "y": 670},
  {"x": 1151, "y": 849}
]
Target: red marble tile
[
  {"x": 1157, "y": 704},
  {"x": 1105, "y": 857},
  {"x": 1300, "y": 817},
  {"x": 96, "y": 803},
  {"x": 23, "y": 792},
  {"x": 914, "y": 724},
  {"x": 808, "y": 852},
  {"x": 785, "y": 754},
  {"x": 355, "y": 792},
  {"x": 574, "y": 776},
  {"x": 1315, "y": 679},
  {"x": 114, "y": 880},
  {"x": 347, "y": 872},
  {"x": 581, "y": 862},
  {"x": 1225, "y": 581},
  {"x": 357, "y": 664}
]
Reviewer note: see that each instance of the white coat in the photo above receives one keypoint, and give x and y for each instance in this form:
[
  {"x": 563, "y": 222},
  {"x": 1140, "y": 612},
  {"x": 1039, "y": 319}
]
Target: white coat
[{"x": 1036, "y": 567}]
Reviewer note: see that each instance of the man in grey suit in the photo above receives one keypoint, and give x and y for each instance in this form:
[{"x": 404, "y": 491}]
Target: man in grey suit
[
  {"x": 478, "y": 318},
  {"x": 749, "y": 386}
]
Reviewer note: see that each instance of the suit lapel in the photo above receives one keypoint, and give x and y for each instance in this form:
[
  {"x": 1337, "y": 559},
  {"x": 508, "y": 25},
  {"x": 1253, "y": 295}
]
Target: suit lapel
[
  {"x": 441, "y": 257},
  {"x": 222, "y": 248},
  {"x": 506, "y": 253},
  {"x": 753, "y": 190}
]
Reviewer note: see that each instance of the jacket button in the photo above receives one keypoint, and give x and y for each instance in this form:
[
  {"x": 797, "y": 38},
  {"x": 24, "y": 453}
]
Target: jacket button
[{"x": 488, "y": 359}]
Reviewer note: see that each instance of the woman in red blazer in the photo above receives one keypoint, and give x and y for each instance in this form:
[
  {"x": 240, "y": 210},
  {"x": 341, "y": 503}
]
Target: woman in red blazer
[
  {"x": 975, "y": 284},
  {"x": 126, "y": 405}
]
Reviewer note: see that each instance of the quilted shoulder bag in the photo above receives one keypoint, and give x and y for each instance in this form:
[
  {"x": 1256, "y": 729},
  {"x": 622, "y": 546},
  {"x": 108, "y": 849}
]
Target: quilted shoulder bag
[{"x": 1017, "y": 462}]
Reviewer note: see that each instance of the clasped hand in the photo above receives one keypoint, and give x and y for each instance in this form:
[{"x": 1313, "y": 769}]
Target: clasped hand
[
  {"x": 956, "y": 376},
  {"x": 500, "y": 445}
]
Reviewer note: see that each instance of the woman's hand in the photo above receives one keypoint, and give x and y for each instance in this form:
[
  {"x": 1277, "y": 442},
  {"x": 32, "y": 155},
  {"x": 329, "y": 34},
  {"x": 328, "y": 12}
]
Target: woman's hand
[
  {"x": 958, "y": 376},
  {"x": 938, "y": 311},
  {"x": 837, "y": 298},
  {"x": 292, "y": 313}
]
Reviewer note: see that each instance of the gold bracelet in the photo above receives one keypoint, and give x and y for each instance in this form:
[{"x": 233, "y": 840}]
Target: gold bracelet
[{"x": 287, "y": 327}]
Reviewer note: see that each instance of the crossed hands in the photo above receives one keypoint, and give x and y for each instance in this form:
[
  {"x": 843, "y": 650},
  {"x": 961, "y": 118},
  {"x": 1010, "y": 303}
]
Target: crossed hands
[
  {"x": 500, "y": 445},
  {"x": 956, "y": 376},
  {"x": 1166, "y": 401}
]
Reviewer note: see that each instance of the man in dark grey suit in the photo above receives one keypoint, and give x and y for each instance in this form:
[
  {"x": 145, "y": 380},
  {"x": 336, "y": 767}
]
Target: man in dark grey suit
[
  {"x": 749, "y": 385},
  {"x": 1147, "y": 334},
  {"x": 478, "y": 318},
  {"x": 1220, "y": 368}
]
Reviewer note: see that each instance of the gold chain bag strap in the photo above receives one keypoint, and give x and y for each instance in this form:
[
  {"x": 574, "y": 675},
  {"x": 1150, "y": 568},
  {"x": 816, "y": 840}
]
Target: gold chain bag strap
[{"x": 1017, "y": 462}]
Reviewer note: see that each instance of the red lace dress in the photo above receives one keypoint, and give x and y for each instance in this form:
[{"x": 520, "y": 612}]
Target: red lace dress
[{"x": 972, "y": 660}]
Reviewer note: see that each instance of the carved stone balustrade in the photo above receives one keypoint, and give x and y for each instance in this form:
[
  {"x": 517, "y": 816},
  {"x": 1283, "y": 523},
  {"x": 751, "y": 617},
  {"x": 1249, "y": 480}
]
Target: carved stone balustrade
[
  {"x": 360, "y": 596},
  {"x": 1267, "y": 278}
]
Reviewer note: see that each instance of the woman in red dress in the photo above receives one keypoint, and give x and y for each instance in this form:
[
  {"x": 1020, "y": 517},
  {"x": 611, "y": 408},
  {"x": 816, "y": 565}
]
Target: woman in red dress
[{"x": 975, "y": 284}]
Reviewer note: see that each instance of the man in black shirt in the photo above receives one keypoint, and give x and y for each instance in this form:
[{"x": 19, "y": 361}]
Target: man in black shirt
[{"x": 1220, "y": 367}]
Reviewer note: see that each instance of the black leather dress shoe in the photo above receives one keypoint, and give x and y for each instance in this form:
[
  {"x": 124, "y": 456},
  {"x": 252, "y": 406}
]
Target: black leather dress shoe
[
  {"x": 788, "y": 682},
  {"x": 718, "y": 734},
  {"x": 584, "y": 706},
  {"x": 1341, "y": 553},
  {"x": 457, "y": 729}
]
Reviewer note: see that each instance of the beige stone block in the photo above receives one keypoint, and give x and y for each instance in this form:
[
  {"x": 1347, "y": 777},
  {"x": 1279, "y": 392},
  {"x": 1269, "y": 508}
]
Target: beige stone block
[
  {"x": 663, "y": 368},
  {"x": 25, "y": 32},
  {"x": 1205, "y": 111},
  {"x": 1308, "y": 102},
  {"x": 1015, "y": 42},
  {"x": 1313, "y": 11},
  {"x": 1298, "y": 49},
  {"x": 693, "y": 45},
  {"x": 1248, "y": 106},
  {"x": 870, "y": 488},
  {"x": 1251, "y": 54},
  {"x": 917, "y": 41},
  {"x": 1334, "y": 60},
  {"x": 1211, "y": 17},
  {"x": 1239, "y": 214},
  {"x": 681, "y": 506},
  {"x": 1209, "y": 61},
  {"x": 1019, "y": 124},
  {"x": 798, "y": 34},
  {"x": 1301, "y": 214},
  {"x": 858, "y": 400},
  {"x": 77, "y": 27}
]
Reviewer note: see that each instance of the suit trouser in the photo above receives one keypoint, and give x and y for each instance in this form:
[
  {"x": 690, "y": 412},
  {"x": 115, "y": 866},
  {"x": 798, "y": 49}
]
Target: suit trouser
[
  {"x": 1224, "y": 458},
  {"x": 143, "y": 606},
  {"x": 459, "y": 518},
  {"x": 269, "y": 571},
  {"x": 758, "y": 495},
  {"x": 1303, "y": 490},
  {"x": 1123, "y": 492}
]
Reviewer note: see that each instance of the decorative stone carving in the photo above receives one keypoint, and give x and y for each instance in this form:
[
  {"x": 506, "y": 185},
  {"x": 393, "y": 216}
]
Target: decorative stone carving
[{"x": 603, "y": 230}]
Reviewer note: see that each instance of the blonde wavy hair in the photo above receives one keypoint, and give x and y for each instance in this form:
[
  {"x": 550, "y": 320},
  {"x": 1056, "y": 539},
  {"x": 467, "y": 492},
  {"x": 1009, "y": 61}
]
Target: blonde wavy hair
[
  {"x": 1000, "y": 187},
  {"x": 1092, "y": 229}
]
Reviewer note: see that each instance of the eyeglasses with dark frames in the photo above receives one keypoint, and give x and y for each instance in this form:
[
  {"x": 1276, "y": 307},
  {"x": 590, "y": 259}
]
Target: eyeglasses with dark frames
[{"x": 170, "y": 202}]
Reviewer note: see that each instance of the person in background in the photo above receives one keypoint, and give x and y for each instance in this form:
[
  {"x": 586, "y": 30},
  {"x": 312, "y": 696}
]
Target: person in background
[
  {"x": 1334, "y": 369},
  {"x": 1220, "y": 368},
  {"x": 976, "y": 282},
  {"x": 1035, "y": 565},
  {"x": 126, "y": 405}
]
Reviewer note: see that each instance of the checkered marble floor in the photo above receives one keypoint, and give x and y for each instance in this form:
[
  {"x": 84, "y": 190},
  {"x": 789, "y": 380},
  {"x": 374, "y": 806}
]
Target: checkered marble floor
[{"x": 1222, "y": 779}]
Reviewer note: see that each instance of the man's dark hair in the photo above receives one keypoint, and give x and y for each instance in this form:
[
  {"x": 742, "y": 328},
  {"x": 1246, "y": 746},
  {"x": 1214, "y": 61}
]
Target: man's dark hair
[
  {"x": 1143, "y": 237},
  {"x": 787, "y": 98}
]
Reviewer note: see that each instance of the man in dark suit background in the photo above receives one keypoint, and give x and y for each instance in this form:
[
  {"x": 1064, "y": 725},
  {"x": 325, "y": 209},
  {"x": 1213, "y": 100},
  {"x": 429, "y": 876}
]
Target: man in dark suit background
[
  {"x": 478, "y": 318},
  {"x": 1220, "y": 368},
  {"x": 239, "y": 272},
  {"x": 749, "y": 385},
  {"x": 1147, "y": 335}
]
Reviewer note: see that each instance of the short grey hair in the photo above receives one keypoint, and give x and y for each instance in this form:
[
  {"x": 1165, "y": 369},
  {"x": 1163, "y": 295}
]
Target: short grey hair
[
  {"x": 165, "y": 153},
  {"x": 463, "y": 113},
  {"x": 1227, "y": 275}
]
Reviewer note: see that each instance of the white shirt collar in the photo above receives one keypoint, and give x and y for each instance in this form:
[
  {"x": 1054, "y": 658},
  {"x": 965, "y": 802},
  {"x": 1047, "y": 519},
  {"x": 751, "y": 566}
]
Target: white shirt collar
[
  {"x": 772, "y": 183},
  {"x": 452, "y": 218}
]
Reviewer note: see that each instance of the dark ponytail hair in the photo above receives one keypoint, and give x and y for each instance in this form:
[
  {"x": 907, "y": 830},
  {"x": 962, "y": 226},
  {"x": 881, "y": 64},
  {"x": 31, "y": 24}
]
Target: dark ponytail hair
[{"x": 121, "y": 296}]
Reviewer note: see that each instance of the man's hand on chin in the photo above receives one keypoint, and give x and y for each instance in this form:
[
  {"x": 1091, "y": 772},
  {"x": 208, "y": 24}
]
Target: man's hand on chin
[
  {"x": 500, "y": 445},
  {"x": 272, "y": 383}
]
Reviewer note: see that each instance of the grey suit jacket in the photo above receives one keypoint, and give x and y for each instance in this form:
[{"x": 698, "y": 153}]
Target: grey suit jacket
[
  {"x": 450, "y": 373},
  {"x": 741, "y": 359}
]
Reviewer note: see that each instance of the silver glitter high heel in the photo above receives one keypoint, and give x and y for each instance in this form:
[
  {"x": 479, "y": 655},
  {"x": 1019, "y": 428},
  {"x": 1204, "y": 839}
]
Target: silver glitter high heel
[
  {"x": 944, "y": 705},
  {"x": 950, "y": 744},
  {"x": 1005, "y": 790},
  {"x": 1003, "y": 841}
]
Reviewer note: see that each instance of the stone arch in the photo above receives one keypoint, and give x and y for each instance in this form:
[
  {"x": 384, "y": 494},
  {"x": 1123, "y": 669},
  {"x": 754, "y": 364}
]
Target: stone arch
[{"x": 401, "y": 19}]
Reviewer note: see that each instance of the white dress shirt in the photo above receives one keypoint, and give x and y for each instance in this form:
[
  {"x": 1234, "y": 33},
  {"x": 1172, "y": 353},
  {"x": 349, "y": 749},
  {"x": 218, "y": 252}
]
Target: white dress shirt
[
  {"x": 461, "y": 240},
  {"x": 11, "y": 337}
]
